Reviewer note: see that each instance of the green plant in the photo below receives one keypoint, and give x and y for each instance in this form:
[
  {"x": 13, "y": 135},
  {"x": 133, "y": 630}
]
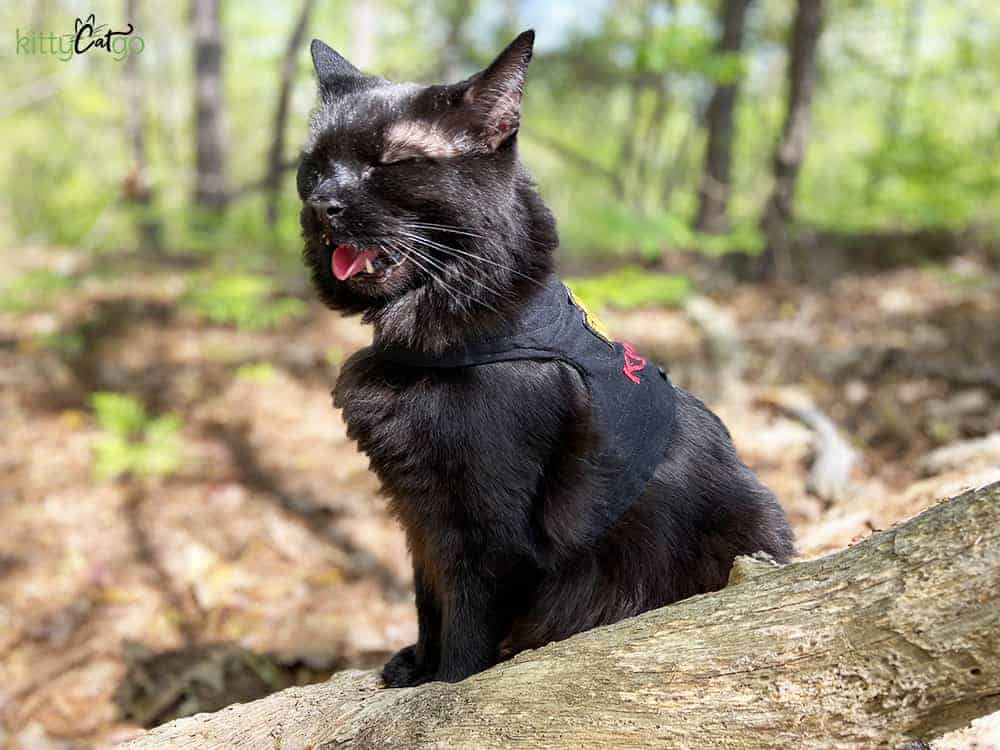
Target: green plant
[
  {"x": 245, "y": 300},
  {"x": 629, "y": 288},
  {"x": 68, "y": 344},
  {"x": 133, "y": 442},
  {"x": 258, "y": 372},
  {"x": 33, "y": 290}
]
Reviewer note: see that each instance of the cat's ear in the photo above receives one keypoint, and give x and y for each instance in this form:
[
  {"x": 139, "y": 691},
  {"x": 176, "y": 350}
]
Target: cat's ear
[
  {"x": 335, "y": 73},
  {"x": 491, "y": 103}
]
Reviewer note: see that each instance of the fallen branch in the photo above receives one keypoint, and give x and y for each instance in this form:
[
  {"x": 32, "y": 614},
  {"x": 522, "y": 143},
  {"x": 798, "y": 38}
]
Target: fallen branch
[
  {"x": 834, "y": 458},
  {"x": 896, "y": 638}
]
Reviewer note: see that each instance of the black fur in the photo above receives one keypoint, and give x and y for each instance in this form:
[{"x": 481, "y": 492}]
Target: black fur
[{"x": 490, "y": 469}]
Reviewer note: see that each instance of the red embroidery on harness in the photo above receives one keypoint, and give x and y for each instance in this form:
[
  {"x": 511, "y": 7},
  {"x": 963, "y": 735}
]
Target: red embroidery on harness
[{"x": 633, "y": 363}]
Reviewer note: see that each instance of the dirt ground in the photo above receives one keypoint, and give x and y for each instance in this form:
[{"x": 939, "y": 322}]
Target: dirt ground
[{"x": 268, "y": 557}]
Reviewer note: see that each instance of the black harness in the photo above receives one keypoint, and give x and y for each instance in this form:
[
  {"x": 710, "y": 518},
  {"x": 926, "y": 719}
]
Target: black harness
[{"x": 633, "y": 402}]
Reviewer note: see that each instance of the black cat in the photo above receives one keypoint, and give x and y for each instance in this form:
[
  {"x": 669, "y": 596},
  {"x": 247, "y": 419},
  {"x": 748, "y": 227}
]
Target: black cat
[{"x": 549, "y": 480}]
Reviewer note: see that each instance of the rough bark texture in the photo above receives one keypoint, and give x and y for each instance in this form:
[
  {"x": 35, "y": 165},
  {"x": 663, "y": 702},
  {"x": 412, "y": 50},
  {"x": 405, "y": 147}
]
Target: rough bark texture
[
  {"x": 715, "y": 185},
  {"x": 896, "y": 638},
  {"x": 791, "y": 149},
  {"x": 211, "y": 188}
]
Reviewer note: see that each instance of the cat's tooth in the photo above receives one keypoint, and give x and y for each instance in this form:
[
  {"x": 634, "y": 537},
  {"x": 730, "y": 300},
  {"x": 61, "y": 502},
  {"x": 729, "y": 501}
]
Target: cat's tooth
[{"x": 369, "y": 267}]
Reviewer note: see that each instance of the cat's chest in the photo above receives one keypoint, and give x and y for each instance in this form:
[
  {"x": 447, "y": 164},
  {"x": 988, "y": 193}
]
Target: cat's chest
[
  {"x": 412, "y": 425},
  {"x": 462, "y": 432}
]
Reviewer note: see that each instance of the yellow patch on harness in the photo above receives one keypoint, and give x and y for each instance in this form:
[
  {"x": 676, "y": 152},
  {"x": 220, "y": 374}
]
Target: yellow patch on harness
[{"x": 592, "y": 321}]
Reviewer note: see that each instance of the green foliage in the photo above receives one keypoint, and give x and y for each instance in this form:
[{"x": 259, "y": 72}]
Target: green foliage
[
  {"x": 688, "y": 49},
  {"x": 616, "y": 229},
  {"x": 258, "y": 372},
  {"x": 132, "y": 442},
  {"x": 33, "y": 290},
  {"x": 927, "y": 181},
  {"x": 623, "y": 92},
  {"x": 742, "y": 238},
  {"x": 334, "y": 356},
  {"x": 631, "y": 287},
  {"x": 66, "y": 343},
  {"x": 244, "y": 300}
]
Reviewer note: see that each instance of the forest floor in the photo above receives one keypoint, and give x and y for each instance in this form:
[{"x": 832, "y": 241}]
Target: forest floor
[{"x": 265, "y": 556}]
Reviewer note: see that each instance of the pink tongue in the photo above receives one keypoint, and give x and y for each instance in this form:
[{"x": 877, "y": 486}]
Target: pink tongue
[{"x": 347, "y": 261}]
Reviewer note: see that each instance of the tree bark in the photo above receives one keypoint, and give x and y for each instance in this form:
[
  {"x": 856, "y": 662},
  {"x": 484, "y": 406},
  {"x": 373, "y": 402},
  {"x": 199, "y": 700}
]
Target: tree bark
[
  {"x": 137, "y": 189},
  {"x": 275, "y": 160},
  {"x": 894, "y": 639},
  {"x": 791, "y": 149},
  {"x": 457, "y": 15},
  {"x": 211, "y": 188},
  {"x": 716, "y": 181}
]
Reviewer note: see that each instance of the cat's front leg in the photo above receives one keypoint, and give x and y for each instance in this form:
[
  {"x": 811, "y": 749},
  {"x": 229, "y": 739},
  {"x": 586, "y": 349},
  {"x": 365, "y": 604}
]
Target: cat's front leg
[
  {"x": 472, "y": 626},
  {"x": 418, "y": 662}
]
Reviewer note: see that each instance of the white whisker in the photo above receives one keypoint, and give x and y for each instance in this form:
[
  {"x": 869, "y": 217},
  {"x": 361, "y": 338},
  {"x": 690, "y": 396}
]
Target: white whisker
[
  {"x": 413, "y": 254},
  {"x": 445, "y": 248}
]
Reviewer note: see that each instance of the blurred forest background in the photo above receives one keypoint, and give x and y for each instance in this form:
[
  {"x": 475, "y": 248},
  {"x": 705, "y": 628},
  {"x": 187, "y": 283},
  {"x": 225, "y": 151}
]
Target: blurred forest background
[{"x": 793, "y": 203}]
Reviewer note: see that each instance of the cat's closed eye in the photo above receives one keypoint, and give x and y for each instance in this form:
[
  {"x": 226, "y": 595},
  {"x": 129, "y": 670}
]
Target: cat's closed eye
[{"x": 308, "y": 176}]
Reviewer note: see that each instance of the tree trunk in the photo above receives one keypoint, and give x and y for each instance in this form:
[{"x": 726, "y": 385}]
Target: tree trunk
[
  {"x": 137, "y": 190},
  {"x": 902, "y": 78},
  {"x": 457, "y": 15},
  {"x": 894, "y": 639},
  {"x": 716, "y": 180},
  {"x": 779, "y": 212},
  {"x": 275, "y": 160},
  {"x": 211, "y": 188}
]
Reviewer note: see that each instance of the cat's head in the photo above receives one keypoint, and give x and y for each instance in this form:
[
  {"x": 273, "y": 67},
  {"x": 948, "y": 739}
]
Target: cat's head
[{"x": 413, "y": 191}]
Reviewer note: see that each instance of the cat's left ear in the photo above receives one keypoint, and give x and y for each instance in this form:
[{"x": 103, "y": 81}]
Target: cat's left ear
[{"x": 491, "y": 103}]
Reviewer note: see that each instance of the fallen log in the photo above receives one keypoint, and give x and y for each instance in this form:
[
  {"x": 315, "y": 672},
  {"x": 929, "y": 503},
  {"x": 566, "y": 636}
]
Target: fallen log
[{"x": 894, "y": 639}]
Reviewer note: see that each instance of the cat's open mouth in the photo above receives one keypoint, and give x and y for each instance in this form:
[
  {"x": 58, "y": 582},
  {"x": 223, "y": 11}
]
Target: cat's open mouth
[{"x": 348, "y": 261}]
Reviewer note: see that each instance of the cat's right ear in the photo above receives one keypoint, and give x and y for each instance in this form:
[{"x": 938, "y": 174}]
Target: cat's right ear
[{"x": 335, "y": 73}]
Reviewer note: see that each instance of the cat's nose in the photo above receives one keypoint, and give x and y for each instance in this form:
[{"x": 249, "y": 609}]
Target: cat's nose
[{"x": 327, "y": 209}]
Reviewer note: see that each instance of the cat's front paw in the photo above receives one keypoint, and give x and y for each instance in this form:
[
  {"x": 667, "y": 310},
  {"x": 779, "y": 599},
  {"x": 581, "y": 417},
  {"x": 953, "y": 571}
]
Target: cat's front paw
[{"x": 402, "y": 670}]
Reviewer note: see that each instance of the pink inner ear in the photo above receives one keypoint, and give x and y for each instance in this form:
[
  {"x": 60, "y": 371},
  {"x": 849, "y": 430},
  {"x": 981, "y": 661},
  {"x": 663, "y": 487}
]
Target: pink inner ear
[{"x": 494, "y": 106}]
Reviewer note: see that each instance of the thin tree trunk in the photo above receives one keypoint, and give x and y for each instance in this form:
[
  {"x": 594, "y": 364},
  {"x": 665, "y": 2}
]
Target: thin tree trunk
[
  {"x": 902, "y": 79},
  {"x": 780, "y": 209},
  {"x": 713, "y": 203},
  {"x": 894, "y": 639},
  {"x": 651, "y": 141},
  {"x": 453, "y": 55},
  {"x": 137, "y": 188},
  {"x": 629, "y": 155},
  {"x": 679, "y": 165},
  {"x": 275, "y": 160},
  {"x": 211, "y": 187}
]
